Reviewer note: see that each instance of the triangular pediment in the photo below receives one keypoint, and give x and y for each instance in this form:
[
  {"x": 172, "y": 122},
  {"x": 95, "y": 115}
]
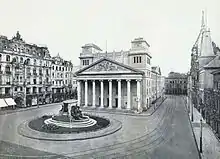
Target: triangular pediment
[{"x": 107, "y": 66}]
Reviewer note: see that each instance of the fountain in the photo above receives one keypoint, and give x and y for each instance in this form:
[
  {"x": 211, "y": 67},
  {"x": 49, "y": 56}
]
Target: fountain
[
  {"x": 70, "y": 116},
  {"x": 69, "y": 124}
]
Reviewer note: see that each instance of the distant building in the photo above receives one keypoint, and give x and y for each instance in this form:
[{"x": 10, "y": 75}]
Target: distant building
[
  {"x": 176, "y": 84},
  {"x": 121, "y": 80},
  {"x": 29, "y": 74}
]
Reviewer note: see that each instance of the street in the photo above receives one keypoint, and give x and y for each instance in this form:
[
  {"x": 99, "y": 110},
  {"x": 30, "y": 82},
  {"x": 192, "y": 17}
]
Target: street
[{"x": 166, "y": 134}]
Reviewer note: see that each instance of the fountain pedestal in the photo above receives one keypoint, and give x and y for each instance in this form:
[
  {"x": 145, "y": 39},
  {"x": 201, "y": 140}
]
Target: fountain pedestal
[{"x": 71, "y": 118}]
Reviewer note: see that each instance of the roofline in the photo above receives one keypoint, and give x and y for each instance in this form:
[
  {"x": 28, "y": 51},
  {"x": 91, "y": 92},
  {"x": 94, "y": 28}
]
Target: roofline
[
  {"x": 216, "y": 72},
  {"x": 133, "y": 41},
  {"x": 115, "y": 62}
]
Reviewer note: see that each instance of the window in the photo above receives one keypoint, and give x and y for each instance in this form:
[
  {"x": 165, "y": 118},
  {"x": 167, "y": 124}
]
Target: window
[
  {"x": 0, "y": 57},
  {"x": 40, "y": 80},
  {"x": 35, "y": 61},
  {"x": 35, "y": 81},
  {"x": 218, "y": 85},
  {"x": 7, "y": 58},
  {"x": 15, "y": 88},
  {"x": 137, "y": 59},
  {"x": 85, "y": 62},
  {"x": 148, "y": 61},
  {"x": 7, "y": 68},
  {"x": 53, "y": 67},
  {"x": 21, "y": 88},
  {"x": 21, "y": 59}
]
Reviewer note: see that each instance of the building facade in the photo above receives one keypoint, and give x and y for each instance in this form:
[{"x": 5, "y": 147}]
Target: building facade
[
  {"x": 27, "y": 72},
  {"x": 120, "y": 80},
  {"x": 204, "y": 77},
  {"x": 176, "y": 84}
]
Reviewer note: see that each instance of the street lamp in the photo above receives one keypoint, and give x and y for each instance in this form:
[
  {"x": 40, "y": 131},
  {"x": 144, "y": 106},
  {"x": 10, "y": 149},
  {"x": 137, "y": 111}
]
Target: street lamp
[{"x": 200, "y": 147}]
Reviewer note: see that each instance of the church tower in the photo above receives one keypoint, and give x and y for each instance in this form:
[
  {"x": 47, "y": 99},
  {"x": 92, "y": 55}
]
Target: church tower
[
  {"x": 88, "y": 53},
  {"x": 139, "y": 55},
  {"x": 206, "y": 51}
]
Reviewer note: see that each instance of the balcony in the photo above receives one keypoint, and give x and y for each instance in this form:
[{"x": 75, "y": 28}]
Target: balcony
[
  {"x": 8, "y": 72},
  {"x": 8, "y": 83},
  {"x": 28, "y": 74},
  {"x": 28, "y": 92},
  {"x": 16, "y": 83},
  {"x": 48, "y": 83},
  {"x": 7, "y": 95}
]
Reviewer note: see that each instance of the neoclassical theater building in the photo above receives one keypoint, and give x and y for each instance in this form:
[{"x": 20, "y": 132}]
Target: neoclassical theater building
[{"x": 117, "y": 80}]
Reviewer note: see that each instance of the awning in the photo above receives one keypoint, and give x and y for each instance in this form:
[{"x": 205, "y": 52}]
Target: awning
[
  {"x": 10, "y": 101},
  {"x": 3, "y": 103}
]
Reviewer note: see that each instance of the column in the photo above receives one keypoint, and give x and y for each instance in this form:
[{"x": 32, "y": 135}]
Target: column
[
  {"x": 139, "y": 94},
  {"x": 102, "y": 94},
  {"x": 86, "y": 93},
  {"x": 93, "y": 92},
  {"x": 128, "y": 94},
  {"x": 110, "y": 94},
  {"x": 119, "y": 94},
  {"x": 78, "y": 93}
]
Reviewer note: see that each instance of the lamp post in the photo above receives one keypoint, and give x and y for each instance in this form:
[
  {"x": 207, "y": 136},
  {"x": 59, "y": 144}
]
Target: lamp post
[{"x": 200, "y": 139}]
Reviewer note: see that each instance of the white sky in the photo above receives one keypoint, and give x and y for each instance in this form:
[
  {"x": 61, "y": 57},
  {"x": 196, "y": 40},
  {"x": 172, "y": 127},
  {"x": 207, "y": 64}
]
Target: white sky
[{"x": 169, "y": 26}]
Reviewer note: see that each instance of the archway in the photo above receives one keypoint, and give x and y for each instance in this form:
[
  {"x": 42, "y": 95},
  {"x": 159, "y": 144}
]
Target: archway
[{"x": 19, "y": 101}]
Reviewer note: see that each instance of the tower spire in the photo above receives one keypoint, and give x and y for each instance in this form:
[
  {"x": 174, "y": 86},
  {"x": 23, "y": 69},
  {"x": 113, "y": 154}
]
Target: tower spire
[{"x": 204, "y": 20}]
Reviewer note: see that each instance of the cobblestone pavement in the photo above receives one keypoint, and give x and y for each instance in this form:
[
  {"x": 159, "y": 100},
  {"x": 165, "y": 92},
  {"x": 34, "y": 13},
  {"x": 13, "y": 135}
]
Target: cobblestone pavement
[{"x": 165, "y": 134}]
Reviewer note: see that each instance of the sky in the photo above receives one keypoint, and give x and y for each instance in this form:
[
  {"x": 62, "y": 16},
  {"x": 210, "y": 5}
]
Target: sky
[{"x": 169, "y": 26}]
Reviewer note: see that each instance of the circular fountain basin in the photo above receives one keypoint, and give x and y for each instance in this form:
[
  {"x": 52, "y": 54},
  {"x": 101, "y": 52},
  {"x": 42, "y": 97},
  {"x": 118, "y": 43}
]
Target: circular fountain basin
[{"x": 82, "y": 123}]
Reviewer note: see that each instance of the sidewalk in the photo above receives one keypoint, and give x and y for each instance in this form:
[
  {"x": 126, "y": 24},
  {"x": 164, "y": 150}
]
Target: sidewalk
[
  {"x": 9, "y": 111},
  {"x": 148, "y": 112},
  {"x": 210, "y": 143},
  {"x": 154, "y": 107}
]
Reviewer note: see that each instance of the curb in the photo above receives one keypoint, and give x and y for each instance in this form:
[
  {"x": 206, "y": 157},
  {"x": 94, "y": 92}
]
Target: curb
[
  {"x": 29, "y": 108},
  {"x": 158, "y": 106},
  {"x": 24, "y": 130},
  {"x": 194, "y": 136}
]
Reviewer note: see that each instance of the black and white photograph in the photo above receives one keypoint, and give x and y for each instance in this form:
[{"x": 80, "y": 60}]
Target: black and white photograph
[{"x": 109, "y": 79}]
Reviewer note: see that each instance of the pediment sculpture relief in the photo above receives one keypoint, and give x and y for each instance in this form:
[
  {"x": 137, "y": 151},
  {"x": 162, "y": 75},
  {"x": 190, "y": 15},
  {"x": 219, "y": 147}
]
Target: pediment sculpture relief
[{"x": 106, "y": 66}]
